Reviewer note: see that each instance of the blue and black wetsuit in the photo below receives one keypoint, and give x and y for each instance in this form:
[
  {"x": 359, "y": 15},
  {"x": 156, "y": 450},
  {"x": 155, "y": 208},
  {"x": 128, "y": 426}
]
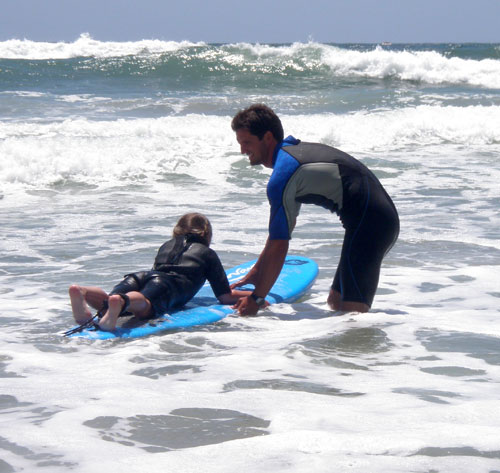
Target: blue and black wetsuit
[
  {"x": 181, "y": 267},
  {"x": 313, "y": 173}
]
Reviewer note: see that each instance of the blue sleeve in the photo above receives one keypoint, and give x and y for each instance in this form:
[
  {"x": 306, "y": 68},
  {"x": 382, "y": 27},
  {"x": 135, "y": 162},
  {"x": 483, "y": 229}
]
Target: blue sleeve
[{"x": 284, "y": 168}]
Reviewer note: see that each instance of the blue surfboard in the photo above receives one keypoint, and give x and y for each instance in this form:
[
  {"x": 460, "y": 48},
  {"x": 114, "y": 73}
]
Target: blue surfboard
[{"x": 296, "y": 277}]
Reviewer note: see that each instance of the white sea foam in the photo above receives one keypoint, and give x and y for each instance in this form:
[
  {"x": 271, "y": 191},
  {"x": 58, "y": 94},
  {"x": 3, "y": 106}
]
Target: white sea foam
[
  {"x": 418, "y": 126},
  {"x": 426, "y": 66},
  {"x": 85, "y": 46},
  {"x": 40, "y": 154},
  {"x": 350, "y": 404},
  {"x": 43, "y": 154}
]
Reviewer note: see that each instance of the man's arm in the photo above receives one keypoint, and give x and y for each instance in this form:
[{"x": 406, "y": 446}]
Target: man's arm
[
  {"x": 253, "y": 275},
  {"x": 265, "y": 273}
]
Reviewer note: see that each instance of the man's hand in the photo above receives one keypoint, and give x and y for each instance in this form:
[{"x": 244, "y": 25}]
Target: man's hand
[
  {"x": 246, "y": 306},
  {"x": 263, "y": 275}
]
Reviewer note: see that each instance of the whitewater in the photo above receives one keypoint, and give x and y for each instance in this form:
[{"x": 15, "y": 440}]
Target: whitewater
[{"x": 103, "y": 145}]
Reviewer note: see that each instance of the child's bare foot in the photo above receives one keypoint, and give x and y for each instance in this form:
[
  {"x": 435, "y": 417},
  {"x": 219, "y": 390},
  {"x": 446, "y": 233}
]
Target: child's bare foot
[
  {"x": 115, "y": 306},
  {"x": 81, "y": 312}
]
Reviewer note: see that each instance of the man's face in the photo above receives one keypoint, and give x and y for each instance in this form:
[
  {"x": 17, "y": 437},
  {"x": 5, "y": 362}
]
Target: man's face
[{"x": 256, "y": 150}]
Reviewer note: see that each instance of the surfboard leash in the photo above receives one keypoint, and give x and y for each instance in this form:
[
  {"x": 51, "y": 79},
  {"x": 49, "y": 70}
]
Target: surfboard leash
[
  {"x": 89, "y": 324},
  {"x": 99, "y": 314}
]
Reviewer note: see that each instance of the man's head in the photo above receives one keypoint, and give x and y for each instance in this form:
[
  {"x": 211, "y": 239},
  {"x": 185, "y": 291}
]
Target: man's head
[
  {"x": 258, "y": 119},
  {"x": 258, "y": 131}
]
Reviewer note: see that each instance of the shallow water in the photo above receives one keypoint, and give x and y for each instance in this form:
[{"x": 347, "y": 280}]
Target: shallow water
[{"x": 93, "y": 179}]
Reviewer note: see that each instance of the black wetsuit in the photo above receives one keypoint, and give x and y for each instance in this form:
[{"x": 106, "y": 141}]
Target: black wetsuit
[
  {"x": 181, "y": 267},
  {"x": 314, "y": 173}
]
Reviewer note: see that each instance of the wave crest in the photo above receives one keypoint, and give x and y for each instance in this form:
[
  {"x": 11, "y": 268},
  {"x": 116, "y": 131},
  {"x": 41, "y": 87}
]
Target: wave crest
[
  {"x": 310, "y": 60},
  {"x": 86, "y": 46}
]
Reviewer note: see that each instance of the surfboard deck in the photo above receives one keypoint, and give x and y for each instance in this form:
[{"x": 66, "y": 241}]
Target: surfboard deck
[{"x": 296, "y": 277}]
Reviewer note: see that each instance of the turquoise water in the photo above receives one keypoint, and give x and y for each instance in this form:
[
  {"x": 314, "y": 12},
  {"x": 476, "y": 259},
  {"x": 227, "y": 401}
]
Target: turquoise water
[{"x": 104, "y": 145}]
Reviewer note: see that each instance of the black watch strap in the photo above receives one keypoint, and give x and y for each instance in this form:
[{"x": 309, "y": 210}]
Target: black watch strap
[{"x": 260, "y": 301}]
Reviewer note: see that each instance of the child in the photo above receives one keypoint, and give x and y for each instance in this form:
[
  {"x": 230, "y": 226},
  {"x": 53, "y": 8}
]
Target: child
[{"x": 181, "y": 267}]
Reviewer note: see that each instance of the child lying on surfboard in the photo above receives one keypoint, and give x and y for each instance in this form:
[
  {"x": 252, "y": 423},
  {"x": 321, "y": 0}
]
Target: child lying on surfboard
[{"x": 181, "y": 267}]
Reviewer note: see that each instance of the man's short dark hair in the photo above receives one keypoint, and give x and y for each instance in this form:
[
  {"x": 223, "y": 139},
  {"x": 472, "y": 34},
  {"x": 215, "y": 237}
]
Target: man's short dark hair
[{"x": 258, "y": 119}]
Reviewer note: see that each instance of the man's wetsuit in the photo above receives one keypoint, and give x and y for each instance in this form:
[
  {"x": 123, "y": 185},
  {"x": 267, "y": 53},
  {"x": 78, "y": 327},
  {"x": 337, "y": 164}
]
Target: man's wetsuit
[
  {"x": 181, "y": 267},
  {"x": 314, "y": 173}
]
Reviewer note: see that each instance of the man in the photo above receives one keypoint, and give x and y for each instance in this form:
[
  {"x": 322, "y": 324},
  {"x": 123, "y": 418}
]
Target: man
[{"x": 313, "y": 173}]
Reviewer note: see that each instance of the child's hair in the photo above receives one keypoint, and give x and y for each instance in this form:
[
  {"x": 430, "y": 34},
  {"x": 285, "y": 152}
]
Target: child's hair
[{"x": 196, "y": 224}]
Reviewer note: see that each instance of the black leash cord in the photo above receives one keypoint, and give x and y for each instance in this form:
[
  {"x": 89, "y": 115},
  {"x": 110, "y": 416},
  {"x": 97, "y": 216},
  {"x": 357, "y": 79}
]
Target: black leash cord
[
  {"x": 98, "y": 315},
  {"x": 80, "y": 328}
]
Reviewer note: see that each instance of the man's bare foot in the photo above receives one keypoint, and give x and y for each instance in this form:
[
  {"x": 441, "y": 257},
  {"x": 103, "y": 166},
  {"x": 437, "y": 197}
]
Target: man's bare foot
[{"x": 336, "y": 303}]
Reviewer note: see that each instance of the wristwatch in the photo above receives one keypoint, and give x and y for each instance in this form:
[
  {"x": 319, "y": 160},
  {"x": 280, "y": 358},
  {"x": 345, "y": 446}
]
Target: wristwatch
[{"x": 260, "y": 301}]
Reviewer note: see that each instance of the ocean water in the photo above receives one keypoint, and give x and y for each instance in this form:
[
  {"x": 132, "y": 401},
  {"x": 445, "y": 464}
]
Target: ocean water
[{"x": 103, "y": 145}]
